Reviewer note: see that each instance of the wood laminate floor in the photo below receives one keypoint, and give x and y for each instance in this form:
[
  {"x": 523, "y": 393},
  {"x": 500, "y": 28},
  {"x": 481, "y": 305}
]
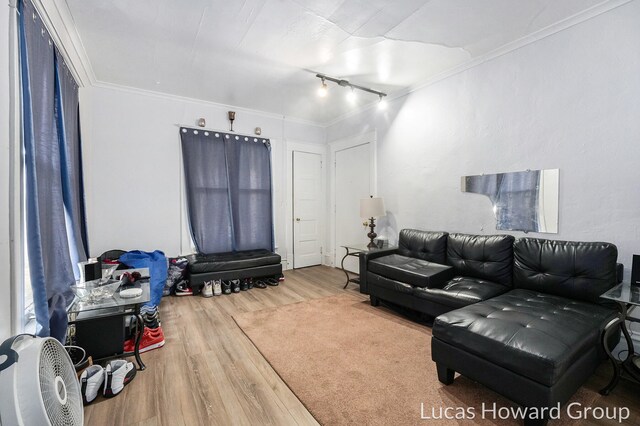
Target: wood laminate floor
[{"x": 209, "y": 372}]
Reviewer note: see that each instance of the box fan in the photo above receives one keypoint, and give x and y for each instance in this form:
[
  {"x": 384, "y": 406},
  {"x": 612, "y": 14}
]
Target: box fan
[{"x": 38, "y": 383}]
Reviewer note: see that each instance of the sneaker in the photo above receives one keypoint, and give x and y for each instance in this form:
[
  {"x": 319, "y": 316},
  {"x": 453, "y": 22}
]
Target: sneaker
[
  {"x": 207, "y": 290},
  {"x": 183, "y": 289},
  {"x": 281, "y": 277},
  {"x": 244, "y": 285},
  {"x": 151, "y": 339},
  {"x": 119, "y": 373},
  {"x": 235, "y": 285},
  {"x": 217, "y": 287},
  {"x": 250, "y": 283},
  {"x": 260, "y": 284},
  {"x": 91, "y": 382},
  {"x": 226, "y": 287},
  {"x": 272, "y": 281}
]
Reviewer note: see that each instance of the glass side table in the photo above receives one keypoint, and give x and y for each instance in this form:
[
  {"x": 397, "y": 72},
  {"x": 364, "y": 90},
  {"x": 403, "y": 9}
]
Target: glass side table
[
  {"x": 112, "y": 307},
  {"x": 356, "y": 250},
  {"x": 627, "y": 297}
]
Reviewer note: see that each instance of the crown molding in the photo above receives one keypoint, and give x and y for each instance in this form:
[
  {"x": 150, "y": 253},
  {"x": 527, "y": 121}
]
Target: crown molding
[
  {"x": 172, "y": 97},
  {"x": 56, "y": 17},
  {"x": 550, "y": 30}
]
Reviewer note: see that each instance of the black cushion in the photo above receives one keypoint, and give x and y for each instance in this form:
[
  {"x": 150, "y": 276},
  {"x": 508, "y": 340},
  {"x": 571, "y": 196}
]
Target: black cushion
[
  {"x": 578, "y": 270},
  {"x": 530, "y": 333},
  {"x": 417, "y": 272},
  {"x": 200, "y": 263},
  {"x": 488, "y": 257},
  {"x": 389, "y": 284},
  {"x": 425, "y": 245},
  {"x": 461, "y": 291}
]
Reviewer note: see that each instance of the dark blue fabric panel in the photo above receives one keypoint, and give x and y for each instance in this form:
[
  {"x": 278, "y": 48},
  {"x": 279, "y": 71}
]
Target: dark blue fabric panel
[
  {"x": 207, "y": 190},
  {"x": 47, "y": 244},
  {"x": 249, "y": 163},
  {"x": 70, "y": 164}
]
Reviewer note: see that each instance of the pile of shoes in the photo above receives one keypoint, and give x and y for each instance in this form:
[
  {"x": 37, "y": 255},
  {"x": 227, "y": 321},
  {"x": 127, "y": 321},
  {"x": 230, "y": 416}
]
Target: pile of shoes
[
  {"x": 177, "y": 280},
  {"x": 219, "y": 287},
  {"x": 152, "y": 335},
  {"x": 110, "y": 380}
]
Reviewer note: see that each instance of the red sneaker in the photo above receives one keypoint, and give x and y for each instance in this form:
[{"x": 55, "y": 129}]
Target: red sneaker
[{"x": 152, "y": 338}]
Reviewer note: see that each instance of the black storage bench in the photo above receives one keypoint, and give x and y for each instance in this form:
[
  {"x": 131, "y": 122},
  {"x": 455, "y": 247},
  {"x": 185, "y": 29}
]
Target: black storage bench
[{"x": 232, "y": 265}]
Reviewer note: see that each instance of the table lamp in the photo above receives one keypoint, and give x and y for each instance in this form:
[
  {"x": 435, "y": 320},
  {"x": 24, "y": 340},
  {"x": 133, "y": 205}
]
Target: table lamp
[{"x": 370, "y": 208}]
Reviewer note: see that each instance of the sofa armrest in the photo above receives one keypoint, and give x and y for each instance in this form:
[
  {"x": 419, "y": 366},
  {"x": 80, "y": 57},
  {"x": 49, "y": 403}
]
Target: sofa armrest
[{"x": 365, "y": 257}]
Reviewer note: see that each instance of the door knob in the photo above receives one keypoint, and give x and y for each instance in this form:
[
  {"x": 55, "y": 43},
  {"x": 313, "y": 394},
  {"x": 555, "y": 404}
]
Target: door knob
[{"x": 297, "y": 219}]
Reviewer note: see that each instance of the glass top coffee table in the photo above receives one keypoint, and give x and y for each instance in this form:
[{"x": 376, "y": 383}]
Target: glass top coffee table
[
  {"x": 108, "y": 303},
  {"x": 627, "y": 297}
]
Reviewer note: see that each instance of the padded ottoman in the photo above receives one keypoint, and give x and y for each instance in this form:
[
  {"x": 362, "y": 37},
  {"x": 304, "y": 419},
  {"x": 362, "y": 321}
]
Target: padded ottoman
[{"x": 416, "y": 272}]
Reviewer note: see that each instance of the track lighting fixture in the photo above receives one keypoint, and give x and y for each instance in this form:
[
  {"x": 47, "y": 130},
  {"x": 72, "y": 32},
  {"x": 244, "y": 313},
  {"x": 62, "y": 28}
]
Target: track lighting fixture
[{"x": 351, "y": 96}]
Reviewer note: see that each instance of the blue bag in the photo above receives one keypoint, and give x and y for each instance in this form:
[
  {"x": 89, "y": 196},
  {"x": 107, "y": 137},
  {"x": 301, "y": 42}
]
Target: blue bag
[{"x": 157, "y": 264}]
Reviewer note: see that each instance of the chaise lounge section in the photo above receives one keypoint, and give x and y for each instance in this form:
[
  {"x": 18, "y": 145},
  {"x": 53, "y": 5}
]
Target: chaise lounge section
[{"x": 538, "y": 343}]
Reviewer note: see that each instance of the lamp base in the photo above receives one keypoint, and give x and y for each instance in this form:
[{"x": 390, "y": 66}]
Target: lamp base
[{"x": 372, "y": 235}]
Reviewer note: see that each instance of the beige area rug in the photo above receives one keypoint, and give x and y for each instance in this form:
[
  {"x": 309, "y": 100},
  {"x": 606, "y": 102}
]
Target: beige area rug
[{"x": 350, "y": 363}]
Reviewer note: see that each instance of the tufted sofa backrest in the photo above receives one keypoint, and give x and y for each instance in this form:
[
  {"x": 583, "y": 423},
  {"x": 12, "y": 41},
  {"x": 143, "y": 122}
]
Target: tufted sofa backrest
[
  {"x": 488, "y": 257},
  {"x": 426, "y": 245},
  {"x": 577, "y": 270}
]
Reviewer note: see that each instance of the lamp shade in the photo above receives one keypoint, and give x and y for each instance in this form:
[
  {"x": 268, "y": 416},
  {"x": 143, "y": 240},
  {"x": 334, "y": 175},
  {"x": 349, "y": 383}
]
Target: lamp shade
[{"x": 372, "y": 207}]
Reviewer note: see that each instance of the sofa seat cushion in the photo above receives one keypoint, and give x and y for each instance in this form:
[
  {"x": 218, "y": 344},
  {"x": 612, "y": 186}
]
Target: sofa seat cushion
[
  {"x": 201, "y": 263},
  {"x": 416, "y": 272},
  {"x": 389, "y": 284},
  {"x": 533, "y": 334},
  {"x": 462, "y": 291}
]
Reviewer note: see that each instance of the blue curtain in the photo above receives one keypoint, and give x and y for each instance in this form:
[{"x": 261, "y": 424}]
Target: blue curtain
[
  {"x": 46, "y": 175},
  {"x": 67, "y": 116},
  {"x": 229, "y": 194}
]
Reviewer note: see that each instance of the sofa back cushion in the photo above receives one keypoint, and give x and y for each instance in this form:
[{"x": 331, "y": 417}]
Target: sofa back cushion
[
  {"x": 426, "y": 245},
  {"x": 488, "y": 257},
  {"x": 577, "y": 270}
]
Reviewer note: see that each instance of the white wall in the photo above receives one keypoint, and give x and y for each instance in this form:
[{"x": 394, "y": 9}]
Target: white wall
[
  {"x": 132, "y": 164},
  {"x": 569, "y": 101}
]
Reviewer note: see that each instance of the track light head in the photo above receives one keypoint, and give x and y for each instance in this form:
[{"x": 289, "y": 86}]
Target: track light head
[
  {"x": 382, "y": 104},
  {"x": 351, "y": 95},
  {"x": 322, "y": 91}
]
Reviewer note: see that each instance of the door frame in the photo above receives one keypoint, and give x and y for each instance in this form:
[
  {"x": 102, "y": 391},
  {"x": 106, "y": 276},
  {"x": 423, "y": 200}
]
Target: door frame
[
  {"x": 331, "y": 257},
  {"x": 311, "y": 148}
]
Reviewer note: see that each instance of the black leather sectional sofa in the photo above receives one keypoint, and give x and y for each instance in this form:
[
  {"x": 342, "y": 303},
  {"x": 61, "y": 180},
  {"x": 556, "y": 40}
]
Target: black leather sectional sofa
[{"x": 520, "y": 316}]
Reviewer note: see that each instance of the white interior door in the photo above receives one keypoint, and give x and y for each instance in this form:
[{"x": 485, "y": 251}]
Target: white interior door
[
  {"x": 307, "y": 209},
  {"x": 353, "y": 182}
]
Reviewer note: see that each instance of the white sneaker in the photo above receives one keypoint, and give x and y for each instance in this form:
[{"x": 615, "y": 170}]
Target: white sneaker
[
  {"x": 119, "y": 373},
  {"x": 207, "y": 290},
  {"x": 217, "y": 287},
  {"x": 90, "y": 383}
]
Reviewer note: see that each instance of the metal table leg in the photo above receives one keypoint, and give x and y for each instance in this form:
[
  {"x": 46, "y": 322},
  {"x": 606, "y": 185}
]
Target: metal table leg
[
  {"x": 139, "y": 333},
  {"x": 619, "y": 365},
  {"x": 344, "y": 270}
]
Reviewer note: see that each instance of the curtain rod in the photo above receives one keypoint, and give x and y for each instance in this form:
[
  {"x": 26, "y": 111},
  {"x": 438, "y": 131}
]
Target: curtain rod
[{"x": 204, "y": 129}]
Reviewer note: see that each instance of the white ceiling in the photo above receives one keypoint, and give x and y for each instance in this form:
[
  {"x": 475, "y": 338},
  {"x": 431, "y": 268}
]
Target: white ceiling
[{"x": 263, "y": 54}]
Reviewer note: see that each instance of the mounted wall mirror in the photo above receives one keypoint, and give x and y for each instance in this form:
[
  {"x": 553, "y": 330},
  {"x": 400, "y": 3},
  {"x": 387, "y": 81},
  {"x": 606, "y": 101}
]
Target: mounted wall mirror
[{"x": 522, "y": 201}]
